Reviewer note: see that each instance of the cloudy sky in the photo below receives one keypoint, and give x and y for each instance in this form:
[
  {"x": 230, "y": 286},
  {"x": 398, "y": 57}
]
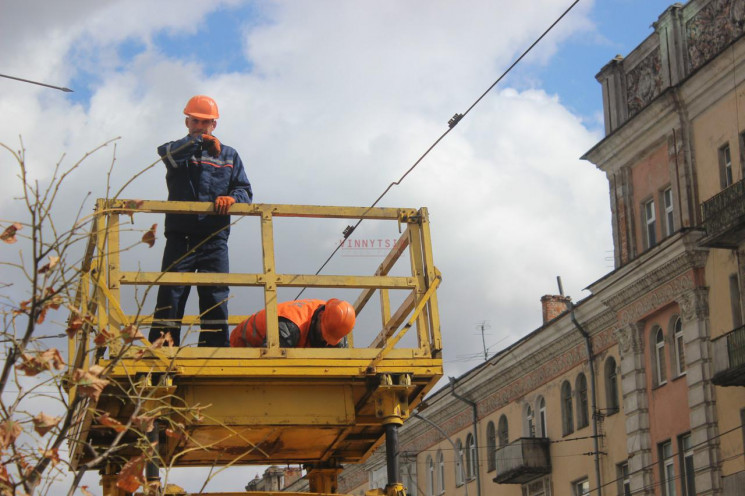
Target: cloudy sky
[{"x": 328, "y": 102}]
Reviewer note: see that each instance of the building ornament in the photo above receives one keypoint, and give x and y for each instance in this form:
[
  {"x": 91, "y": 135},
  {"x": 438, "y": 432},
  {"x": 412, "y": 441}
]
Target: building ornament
[
  {"x": 656, "y": 299},
  {"x": 694, "y": 304},
  {"x": 713, "y": 27},
  {"x": 644, "y": 82},
  {"x": 630, "y": 338},
  {"x": 648, "y": 281}
]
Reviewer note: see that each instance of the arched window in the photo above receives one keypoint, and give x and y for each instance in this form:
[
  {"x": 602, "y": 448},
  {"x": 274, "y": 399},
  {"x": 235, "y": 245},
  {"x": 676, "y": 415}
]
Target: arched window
[
  {"x": 529, "y": 425},
  {"x": 611, "y": 387},
  {"x": 567, "y": 417},
  {"x": 503, "y": 432},
  {"x": 408, "y": 477},
  {"x": 440, "y": 473},
  {"x": 583, "y": 419},
  {"x": 458, "y": 463},
  {"x": 491, "y": 447},
  {"x": 542, "y": 422},
  {"x": 470, "y": 457},
  {"x": 680, "y": 352},
  {"x": 430, "y": 477},
  {"x": 658, "y": 355}
]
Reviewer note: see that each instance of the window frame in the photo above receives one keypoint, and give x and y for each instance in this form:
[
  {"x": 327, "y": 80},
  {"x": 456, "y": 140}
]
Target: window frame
[
  {"x": 470, "y": 457},
  {"x": 581, "y": 487},
  {"x": 678, "y": 348},
  {"x": 542, "y": 423},
  {"x": 667, "y": 468},
  {"x": 430, "y": 476},
  {"x": 726, "y": 174},
  {"x": 459, "y": 470},
  {"x": 685, "y": 461},
  {"x": 503, "y": 431},
  {"x": 440, "y": 469},
  {"x": 623, "y": 478},
  {"x": 612, "y": 403},
  {"x": 649, "y": 218},
  {"x": 658, "y": 355},
  {"x": 567, "y": 414},
  {"x": 669, "y": 206},
  {"x": 583, "y": 404},
  {"x": 491, "y": 447},
  {"x": 529, "y": 420}
]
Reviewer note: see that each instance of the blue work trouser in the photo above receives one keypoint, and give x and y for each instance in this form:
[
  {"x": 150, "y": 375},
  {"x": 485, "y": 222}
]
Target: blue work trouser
[{"x": 184, "y": 253}]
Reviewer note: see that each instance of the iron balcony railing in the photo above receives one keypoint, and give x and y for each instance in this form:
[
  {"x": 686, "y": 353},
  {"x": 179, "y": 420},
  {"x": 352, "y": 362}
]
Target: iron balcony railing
[
  {"x": 724, "y": 217},
  {"x": 729, "y": 358}
]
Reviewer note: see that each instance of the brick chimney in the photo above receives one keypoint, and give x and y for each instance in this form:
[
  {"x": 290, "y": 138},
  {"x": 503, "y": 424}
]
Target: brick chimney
[{"x": 553, "y": 306}]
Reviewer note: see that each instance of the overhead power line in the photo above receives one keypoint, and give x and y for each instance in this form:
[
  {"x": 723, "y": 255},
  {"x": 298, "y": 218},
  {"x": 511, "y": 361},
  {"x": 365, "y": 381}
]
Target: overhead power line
[
  {"x": 61, "y": 88},
  {"x": 451, "y": 125}
]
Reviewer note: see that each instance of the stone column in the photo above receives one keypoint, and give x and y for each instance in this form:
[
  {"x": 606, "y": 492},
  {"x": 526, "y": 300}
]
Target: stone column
[
  {"x": 636, "y": 408},
  {"x": 694, "y": 310}
]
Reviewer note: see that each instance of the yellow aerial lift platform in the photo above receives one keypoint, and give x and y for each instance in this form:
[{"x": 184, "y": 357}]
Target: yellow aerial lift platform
[{"x": 236, "y": 406}]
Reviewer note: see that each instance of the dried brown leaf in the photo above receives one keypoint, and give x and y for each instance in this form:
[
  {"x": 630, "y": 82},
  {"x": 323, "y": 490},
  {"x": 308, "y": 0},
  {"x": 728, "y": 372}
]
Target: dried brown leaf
[
  {"x": 52, "y": 454},
  {"x": 9, "y": 432},
  {"x": 130, "y": 477},
  {"x": 44, "y": 423},
  {"x": 85, "y": 491},
  {"x": 149, "y": 237},
  {"x": 144, "y": 423},
  {"x": 132, "y": 333},
  {"x": 9, "y": 234},
  {"x": 53, "y": 260},
  {"x": 102, "y": 338},
  {"x": 89, "y": 384},
  {"x": 107, "y": 421}
]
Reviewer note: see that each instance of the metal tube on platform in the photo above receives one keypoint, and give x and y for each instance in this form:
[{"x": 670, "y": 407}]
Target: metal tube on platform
[{"x": 391, "y": 453}]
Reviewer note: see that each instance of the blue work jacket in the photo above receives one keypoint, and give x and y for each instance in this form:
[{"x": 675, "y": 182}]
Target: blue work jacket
[{"x": 193, "y": 175}]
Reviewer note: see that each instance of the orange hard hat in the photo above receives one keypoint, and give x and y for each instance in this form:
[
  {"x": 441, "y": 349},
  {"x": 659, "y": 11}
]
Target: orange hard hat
[
  {"x": 201, "y": 107},
  {"x": 337, "y": 321}
]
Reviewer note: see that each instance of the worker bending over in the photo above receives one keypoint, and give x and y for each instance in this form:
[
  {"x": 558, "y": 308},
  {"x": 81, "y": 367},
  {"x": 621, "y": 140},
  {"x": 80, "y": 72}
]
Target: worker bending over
[
  {"x": 199, "y": 169},
  {"x": 302, "y": 324}
]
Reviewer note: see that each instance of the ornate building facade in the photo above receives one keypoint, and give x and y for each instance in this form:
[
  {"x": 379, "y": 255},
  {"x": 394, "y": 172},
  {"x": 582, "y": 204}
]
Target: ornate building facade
[{"x": 639, "y": 388}]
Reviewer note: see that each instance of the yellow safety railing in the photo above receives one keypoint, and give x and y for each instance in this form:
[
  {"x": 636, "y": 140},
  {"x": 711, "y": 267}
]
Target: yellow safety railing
[{"x": 102, "y": 275}]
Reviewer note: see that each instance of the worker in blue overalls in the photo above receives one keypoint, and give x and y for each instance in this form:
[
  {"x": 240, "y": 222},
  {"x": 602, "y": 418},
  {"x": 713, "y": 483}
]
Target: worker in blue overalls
[{"x": 199, "y": 169}]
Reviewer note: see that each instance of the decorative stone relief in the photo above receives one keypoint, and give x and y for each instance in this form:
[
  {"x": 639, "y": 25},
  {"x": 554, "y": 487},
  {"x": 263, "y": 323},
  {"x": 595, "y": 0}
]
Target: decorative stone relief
[
  {"x": 630, "y": 338},
  {"x": 643, "y": 82},
  {"x": 656, "y": 299},
  {"x": 712, "y": 29},
  {"x": 694, "y": 305},
  {"x": 686, "y": 261}
]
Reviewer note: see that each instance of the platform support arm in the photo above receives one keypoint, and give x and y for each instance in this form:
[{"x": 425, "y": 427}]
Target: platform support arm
[{"x": 323, "y": 477}]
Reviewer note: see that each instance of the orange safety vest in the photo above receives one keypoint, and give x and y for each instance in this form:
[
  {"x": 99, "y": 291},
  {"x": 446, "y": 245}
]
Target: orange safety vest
[{"x": 252, "y": 331}]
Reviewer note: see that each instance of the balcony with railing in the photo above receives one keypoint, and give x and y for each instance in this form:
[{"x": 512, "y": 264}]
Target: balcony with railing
[
  {"x": 523, "y": 460},
  {"x": 724, "y": 217},
  {"x": 729, "y": 358}
]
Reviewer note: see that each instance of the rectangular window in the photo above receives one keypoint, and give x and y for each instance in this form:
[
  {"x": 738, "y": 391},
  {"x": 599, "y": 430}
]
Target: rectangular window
[
  {"x": 667, "y": 469},
  {"x": 725, "y": 166},
  {"x": 624, "y": 481},
  {"x": 667, "y": 200},
  {"x": 734, "y": 298},
  {"x": 650, "y": 222},
  {"x": 581, "y": 487},
  {"x": 685, "y": 451}
]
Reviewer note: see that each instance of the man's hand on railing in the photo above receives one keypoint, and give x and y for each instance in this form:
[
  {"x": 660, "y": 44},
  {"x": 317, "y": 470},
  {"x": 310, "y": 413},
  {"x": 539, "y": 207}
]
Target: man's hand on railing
[{"x": 223, "y": 203}]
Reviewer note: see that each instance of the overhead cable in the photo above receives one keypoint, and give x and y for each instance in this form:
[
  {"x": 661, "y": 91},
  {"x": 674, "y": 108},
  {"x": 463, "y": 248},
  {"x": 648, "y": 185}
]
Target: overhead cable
[{"x": 451, "y": 125}]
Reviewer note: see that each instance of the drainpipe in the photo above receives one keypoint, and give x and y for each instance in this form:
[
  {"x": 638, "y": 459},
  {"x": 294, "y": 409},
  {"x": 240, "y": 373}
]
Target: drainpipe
[
  {"x": 455, "y": 448},
  {"x": 475, "y": 435},
  {"x": 590, "y": 358}
]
